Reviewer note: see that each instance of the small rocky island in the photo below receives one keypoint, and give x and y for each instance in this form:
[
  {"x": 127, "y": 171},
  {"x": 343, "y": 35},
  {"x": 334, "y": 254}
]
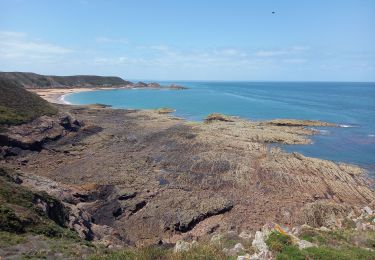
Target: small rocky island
[{"x": 91, "y": 181}]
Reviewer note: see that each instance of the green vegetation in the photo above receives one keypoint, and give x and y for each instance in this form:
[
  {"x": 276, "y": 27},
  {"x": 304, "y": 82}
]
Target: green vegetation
[
  {"x": 19, "y": 211},
  {"x": 32, "y": 80},
  {"x": 203, "y": 251},
  {"x": 330, "y": 245},
  {"x": 341, "y": 238},
  {"x": 18, "y": 105},
  {"x": 278, "y": 242}
]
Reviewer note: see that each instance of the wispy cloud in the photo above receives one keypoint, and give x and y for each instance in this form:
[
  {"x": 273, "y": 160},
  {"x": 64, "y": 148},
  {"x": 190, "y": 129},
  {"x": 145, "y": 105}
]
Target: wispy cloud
[
  {"x": 18, "y": 45},
  {"x": 167, "y": 56},
  {"x": 264, "y": 53},
  {"x": 18, "y": 48},
  {"x": 282, "y": 52}
]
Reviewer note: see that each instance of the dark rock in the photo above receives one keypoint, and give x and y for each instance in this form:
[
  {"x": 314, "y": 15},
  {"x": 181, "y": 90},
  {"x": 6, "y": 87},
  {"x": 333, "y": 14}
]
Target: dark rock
[
  {"x": 177, "y": 87},
  {"x": 52, "y": 207},
  {"x": 69, "y": 123},
  {"x": 127, "y": 196},
  {"x": 32, "y": 136}
]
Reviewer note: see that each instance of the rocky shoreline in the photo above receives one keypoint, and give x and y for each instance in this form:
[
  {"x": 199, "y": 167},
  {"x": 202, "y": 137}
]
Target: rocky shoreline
[
  {"x": 118, "y": 179},
  {"x": 140, "y": 177}
]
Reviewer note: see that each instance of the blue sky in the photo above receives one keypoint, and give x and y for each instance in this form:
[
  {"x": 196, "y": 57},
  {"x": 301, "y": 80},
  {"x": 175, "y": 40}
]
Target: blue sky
[{"x": 191, "y": 40}]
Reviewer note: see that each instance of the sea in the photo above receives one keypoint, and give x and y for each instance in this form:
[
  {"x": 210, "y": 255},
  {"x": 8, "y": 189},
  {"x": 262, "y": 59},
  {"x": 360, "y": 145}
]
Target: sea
[{"x": 349, "y": 104}]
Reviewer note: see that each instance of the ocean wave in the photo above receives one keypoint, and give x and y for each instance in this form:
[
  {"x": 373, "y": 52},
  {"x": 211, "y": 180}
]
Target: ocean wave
[
  {"x": 63, "y": 101},
  {"x": 347, "y": 126},
  {"x": 371, "y": 135},
  {"x": 324, "y": 132}
]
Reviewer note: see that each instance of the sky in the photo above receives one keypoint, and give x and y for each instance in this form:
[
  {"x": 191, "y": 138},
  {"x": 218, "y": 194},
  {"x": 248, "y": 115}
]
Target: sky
[{"x": 304, "y": 40}]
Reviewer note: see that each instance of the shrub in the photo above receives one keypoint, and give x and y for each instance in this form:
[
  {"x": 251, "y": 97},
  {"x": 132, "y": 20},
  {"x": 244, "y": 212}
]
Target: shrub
[{"x": 277, "y": 242}]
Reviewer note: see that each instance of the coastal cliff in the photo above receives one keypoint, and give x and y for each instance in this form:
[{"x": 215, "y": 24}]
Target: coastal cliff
[
  {"x": 137, "y": 178},
  {"x": 36, "y": 81}
]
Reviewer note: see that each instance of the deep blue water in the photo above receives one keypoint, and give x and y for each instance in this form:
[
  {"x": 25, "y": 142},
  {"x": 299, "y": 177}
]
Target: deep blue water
[{"x": 348, "y": 104}]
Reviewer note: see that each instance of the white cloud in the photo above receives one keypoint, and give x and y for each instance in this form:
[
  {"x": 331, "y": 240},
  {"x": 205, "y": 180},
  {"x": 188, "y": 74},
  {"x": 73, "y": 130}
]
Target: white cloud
[
  {"x": 264, "y": 53},
  {"x": 300, "y": 48},
  {"x": 164, "y": 56},
  {"x": 18, "y": 45},
  {"x": 274, "y": 53}
]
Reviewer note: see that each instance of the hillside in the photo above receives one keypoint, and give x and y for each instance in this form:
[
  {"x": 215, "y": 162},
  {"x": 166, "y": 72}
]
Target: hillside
[
  {"x": 33, "y": 80},
  {"x": 18, "y": 105}
]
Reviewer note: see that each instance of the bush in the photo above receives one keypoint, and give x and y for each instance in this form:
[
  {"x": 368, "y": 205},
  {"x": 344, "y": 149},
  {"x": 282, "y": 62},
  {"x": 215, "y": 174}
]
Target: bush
[
  {"x": 9, "y": 221},
  {"x": 277, "y": 242}
]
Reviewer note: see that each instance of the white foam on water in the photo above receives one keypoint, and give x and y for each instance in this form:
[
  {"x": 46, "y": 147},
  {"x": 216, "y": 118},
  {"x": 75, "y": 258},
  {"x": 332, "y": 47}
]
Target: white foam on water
[
  {"x": 63, "y": 101},
  {"x": 324, "y": 132},
  {"x": 346, "y": 126}
]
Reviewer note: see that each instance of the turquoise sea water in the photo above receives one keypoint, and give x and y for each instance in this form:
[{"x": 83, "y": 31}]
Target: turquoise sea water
[{"x": 352, "y": 105}]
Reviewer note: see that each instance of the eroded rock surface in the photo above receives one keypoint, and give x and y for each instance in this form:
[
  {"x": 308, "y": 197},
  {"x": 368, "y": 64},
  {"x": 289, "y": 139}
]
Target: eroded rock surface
[
  {"x": 32, "y": 136},
  {"x": 141, "y": 177}
]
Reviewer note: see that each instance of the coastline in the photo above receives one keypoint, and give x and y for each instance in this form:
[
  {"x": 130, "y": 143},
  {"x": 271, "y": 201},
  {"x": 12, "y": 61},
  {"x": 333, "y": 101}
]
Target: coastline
[
  {"x": 142, "y": 161},
  {"x": 56, "y": 95},
  {"x": 137, "y": 177}
]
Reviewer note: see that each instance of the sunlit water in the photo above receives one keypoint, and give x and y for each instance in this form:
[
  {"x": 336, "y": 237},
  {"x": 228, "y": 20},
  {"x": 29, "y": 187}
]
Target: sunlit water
[{"x": 352, "y": 105}]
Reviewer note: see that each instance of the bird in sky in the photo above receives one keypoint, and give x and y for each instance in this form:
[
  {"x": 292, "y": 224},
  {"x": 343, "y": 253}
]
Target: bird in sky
[{"x": 273, "y": 12}]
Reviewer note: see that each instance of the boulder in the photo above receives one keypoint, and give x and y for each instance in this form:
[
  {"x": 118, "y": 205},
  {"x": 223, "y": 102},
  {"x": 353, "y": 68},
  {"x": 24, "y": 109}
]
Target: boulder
[
  {"x": 235, "y": 250},
  {"x": 302, "y": 244},
  {"x": 182, "y": 246},
  {"x": 259, "y": 242}
]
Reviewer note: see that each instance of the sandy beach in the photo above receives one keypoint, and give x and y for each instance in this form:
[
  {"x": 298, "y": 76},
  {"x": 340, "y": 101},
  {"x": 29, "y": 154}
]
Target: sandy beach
[{"x": 56, "y": 95}]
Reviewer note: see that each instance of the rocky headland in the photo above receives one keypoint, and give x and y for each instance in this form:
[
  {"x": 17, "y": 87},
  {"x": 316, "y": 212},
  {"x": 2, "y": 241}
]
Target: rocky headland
[
  {"x": 140, "y": 178},
  {"x": 36, "y": 81}
]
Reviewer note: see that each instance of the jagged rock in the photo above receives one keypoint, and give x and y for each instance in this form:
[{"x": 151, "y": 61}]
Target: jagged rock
[
  {"x": 243, "y": 257},
  {"x": 69, "y": 123},
  {"x": 224, "y": 161},
  {"x": 33, "y": 135},
  {"x": 80, "y": 221},
  {"x": 185, "y": 210},
  {"x": 182, "y": 246},
  {"x": 53, "y": 208},
  {"x": 259, "y": 243}
]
